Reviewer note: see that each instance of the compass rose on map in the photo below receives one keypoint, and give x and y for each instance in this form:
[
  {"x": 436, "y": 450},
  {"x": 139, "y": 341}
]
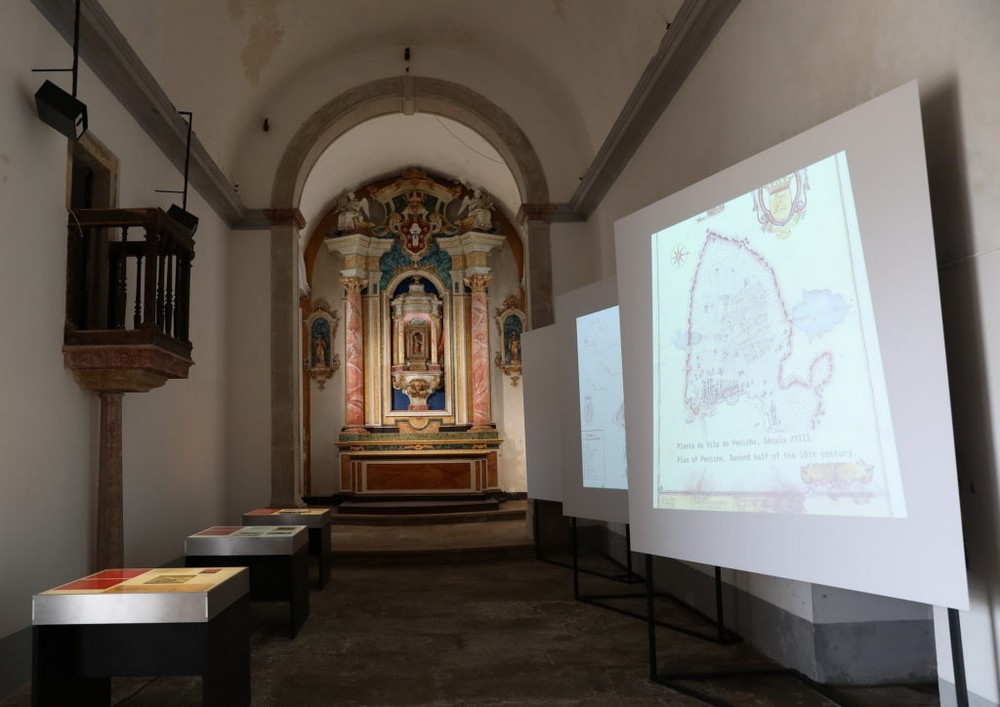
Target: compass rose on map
[{"x": 679, "y": 256}]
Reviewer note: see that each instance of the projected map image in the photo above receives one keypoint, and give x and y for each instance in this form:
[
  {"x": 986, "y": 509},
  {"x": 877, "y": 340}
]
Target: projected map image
[
  {"x": 602, "y": 400},
  {"x": 769, "y": 394}
]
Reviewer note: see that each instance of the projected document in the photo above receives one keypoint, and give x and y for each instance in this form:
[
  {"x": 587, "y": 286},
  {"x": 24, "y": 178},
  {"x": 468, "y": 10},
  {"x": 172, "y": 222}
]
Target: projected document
[
  {"x": 769, "y": 394},
  {"x": 602, "y": 400}
]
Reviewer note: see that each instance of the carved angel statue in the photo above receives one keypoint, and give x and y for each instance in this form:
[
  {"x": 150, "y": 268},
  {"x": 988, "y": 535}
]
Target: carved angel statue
[
  {"x": 353, "y": 213},
  {"x": 478, "y": 207}
]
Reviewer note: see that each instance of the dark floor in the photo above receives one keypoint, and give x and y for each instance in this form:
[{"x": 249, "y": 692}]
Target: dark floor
[{"x": 402, "y": 623}]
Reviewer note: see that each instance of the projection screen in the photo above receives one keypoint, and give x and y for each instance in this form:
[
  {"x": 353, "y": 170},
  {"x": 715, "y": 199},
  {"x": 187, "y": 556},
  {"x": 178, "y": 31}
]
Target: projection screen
[
  {"x": 592, "y": 399},
  {"x": 785, "y": 379},
  {"x": 541, "y": 363}
]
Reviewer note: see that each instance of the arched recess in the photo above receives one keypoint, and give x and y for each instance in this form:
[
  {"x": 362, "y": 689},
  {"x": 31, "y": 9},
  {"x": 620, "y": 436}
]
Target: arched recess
[{"x": 405, "y": 94}]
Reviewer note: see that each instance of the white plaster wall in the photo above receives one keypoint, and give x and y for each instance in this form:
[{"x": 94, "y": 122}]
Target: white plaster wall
[
  {"x": 575, "y": 257},
  {"x": 779, "y": 67},
  {"x": 248, "y": 372},
  {"x": 173, "y": 443},
  {"x": 49, "y": 426},
  {"x": 507, "y": 401}
]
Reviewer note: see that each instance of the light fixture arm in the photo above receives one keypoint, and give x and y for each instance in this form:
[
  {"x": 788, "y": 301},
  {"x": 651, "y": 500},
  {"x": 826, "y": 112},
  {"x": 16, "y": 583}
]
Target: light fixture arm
[
  {"x": 76, "y": 45},
  {"x": 187, "y": 156},
  {"x": 76, "y": 51},
  {"x": 56, "y": 108},
  {"x": 187, "y": 163},
  {"x": 180, "y": 214}
]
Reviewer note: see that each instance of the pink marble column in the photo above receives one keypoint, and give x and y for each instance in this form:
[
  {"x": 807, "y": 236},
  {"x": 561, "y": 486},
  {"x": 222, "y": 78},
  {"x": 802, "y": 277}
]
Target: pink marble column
[
  {"x": 480, "y": 352},
  {"x": 354, "y": 368}
]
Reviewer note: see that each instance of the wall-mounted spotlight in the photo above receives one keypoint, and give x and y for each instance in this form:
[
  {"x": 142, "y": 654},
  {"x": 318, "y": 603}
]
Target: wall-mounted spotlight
[
  {"x": 58, "y": 109},
  {"x": 185, "y": 219},
  {"x": 61, "y": 111},
  {"x": 179, "y": 214}
]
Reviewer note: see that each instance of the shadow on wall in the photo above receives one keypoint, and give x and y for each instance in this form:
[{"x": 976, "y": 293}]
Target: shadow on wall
[{"x": 963, "y": 332}]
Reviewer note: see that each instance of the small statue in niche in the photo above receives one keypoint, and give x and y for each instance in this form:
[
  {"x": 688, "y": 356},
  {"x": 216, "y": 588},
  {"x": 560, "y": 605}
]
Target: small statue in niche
[
  {"x": 510, "y": 326},
  {"x": 515, "y": 349},
  {"x": 320, "y": 361},
  {"x": 319, "y": 348}
]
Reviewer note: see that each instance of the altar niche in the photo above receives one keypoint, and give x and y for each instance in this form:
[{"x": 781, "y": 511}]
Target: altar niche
[
  {"x": 417, "y": 337},
  {"x": 416, "y": 270}
]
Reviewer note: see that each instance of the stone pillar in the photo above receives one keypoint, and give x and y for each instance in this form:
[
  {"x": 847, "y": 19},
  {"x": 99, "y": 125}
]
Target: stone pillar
[
  {"x": 534, "y": 219},
  {"x": 480, "y": 352},
  {"x": 286, "y": 363},
  {"x": 110, "y": 524},
  {"x": 354, "y": 366}
]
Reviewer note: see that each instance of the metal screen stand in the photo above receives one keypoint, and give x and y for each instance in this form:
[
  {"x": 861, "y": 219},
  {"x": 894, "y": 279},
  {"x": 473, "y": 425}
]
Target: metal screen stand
[
  {"x": 673, "y": 680},
  {"x": 958, "y": 659},
  {"x": 722, "y": 635},
  {"x": 628, "y": 576}
]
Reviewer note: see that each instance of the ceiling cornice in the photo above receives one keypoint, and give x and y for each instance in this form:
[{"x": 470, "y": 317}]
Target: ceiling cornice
[
  {"x": 688, "y": 36},
  {"x": 110, "y": 57}
]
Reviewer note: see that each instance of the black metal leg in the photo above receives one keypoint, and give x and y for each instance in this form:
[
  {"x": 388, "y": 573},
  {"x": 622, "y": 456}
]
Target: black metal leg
[
  {"x": 576, "y": 563},
  {"x": 226, "y": 677},
  {"x": 55, "y": 674},
  {"x": 651, "y": 617},
  {"x": 958, "y": 659},
  {"x": 73, "y": 664},
  {"x": 299, "y": 591},
  {"x": 320, "y": 546}
]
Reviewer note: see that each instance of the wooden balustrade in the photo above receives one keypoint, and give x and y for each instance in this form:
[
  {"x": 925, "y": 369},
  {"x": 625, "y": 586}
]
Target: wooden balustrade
[
  {"x": 128, "y": 279},
  {"x": 128, "y": 298}
]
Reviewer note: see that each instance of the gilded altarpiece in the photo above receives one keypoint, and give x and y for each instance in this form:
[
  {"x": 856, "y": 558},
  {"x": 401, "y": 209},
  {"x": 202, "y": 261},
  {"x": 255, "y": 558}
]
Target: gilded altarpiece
[{"x": 417, "y": 266}]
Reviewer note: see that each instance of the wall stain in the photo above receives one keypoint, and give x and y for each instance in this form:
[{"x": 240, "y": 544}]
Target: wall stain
[
  {"x": 265, "y": 38},
  {"x": 560, "y": 8},
  {"x": 237, "y": 8}
]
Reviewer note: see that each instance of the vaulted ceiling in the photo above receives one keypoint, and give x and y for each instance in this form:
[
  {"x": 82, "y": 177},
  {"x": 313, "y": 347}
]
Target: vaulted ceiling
[{"x": 575, "y": 76}]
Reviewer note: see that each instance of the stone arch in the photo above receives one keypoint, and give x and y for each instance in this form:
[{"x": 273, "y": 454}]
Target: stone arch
[
  {"x": 408, "y": 94},
  {"x": 405, "y": 94}
]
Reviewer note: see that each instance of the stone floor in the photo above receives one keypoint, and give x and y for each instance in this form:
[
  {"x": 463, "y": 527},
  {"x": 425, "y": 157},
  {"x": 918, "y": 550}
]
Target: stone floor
[{"x": 464, "y": 614}]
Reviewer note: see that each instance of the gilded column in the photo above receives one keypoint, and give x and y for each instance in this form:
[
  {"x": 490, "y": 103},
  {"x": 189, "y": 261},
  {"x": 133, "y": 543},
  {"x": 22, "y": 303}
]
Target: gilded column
[
  {"x": 480, "y": 352},
  {"x": 354, "y": 367}
]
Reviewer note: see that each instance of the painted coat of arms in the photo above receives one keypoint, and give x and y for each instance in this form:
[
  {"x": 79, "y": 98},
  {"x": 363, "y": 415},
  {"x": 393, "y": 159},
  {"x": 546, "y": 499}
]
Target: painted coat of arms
[{"x": 415, "y": 227}]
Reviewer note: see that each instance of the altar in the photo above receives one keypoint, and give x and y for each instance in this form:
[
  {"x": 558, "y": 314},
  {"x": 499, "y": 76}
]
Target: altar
[
  {"x": 417, "y": 266},
  {"x": 399, "y": 463}
]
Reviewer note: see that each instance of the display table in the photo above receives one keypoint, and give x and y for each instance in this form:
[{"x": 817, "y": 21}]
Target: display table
[
  {"x": 170, "y": 621},
  {"x": 316, "y": 519},
  {"x": 276, "y": 555}
]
